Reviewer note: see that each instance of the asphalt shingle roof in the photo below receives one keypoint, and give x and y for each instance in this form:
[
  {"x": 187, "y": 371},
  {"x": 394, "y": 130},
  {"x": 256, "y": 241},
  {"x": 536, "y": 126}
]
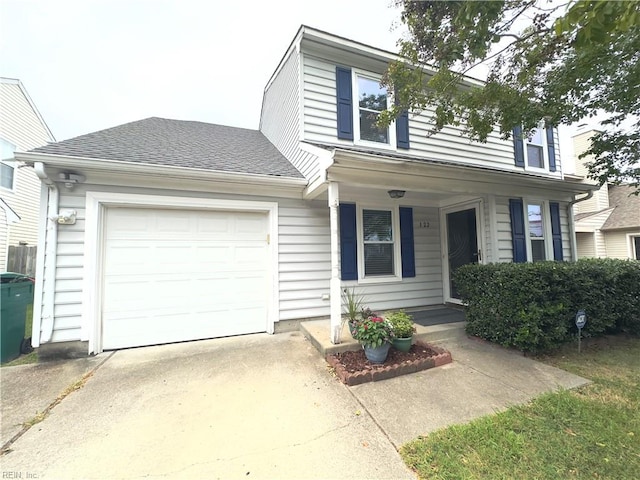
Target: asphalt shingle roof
[
  {"x": 626, "y": 213},
  {"x": 160, "y": 141}
]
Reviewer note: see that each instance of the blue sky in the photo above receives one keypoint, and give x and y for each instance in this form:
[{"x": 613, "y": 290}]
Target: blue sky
[{"x": 94, "y": 64}]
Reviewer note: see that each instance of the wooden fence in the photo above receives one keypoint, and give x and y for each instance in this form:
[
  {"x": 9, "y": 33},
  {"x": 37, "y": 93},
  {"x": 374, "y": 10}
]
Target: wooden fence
[{"x": 22, "y": 259}]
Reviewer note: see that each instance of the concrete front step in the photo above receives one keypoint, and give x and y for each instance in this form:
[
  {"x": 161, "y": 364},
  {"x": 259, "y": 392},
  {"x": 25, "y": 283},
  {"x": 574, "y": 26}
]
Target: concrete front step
[{"x": 317, "y": 332}]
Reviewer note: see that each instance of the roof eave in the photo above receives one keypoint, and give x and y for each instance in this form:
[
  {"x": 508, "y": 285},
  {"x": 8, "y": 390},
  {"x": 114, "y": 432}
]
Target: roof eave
[
  {"x": 376, "y": 163},
  {"x": 327, "y": 38},
  {"x": 177, "y": 172}
]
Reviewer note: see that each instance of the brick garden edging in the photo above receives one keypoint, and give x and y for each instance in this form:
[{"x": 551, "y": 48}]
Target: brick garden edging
[{"x": 384, "y": 371}]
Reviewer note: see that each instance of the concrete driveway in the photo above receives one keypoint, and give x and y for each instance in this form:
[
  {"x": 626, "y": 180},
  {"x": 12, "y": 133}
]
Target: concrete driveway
[{"x": 257, "y": 406}]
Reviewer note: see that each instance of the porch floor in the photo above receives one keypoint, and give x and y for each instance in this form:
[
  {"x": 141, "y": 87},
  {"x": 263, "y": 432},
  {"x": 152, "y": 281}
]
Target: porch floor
[{"x": 433, "y": 324}]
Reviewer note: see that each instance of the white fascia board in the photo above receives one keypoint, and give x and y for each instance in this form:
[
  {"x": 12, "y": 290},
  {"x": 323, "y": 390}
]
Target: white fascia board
[
  {"x": 170, "y": 171},
  {"x": 366, "y": 167}
]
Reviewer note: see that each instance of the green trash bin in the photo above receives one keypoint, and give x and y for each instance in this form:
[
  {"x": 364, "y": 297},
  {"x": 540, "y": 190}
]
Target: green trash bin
[{"x": 16, "y": 294}]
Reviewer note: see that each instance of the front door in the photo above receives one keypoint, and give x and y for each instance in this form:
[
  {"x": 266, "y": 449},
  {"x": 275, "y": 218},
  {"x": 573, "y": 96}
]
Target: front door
[{"x": 462, "y": 244}]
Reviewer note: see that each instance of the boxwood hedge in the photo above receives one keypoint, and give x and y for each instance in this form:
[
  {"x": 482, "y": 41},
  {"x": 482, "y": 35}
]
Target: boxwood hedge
[{"x": 532, "y": 306}]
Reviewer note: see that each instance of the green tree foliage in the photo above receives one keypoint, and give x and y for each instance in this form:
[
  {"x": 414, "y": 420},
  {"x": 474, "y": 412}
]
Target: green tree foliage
[{"x": 554, "y": 61}]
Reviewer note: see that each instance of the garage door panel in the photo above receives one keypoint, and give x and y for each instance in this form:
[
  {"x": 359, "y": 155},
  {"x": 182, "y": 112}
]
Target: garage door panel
[
  {"x": 186, "y": 275},
  {"x": 216, "y": 225},
  {"x": 172, "y": 221},
  {"x": 250, "y": 224},
  {"x": 130, "y": 222}
]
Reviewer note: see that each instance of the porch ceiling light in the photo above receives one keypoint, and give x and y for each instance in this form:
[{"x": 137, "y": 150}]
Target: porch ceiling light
[{"x": 396, "y": 193}]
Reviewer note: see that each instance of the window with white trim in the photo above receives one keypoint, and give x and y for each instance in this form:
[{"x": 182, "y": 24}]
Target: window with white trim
[
  {"x": 538, "y": 230},
  {"x": 535, "y": 150},
  {"x": 379, "y": 243},
  {"x": 7, "y": 165},
  {"x": 371, "y": 100}
]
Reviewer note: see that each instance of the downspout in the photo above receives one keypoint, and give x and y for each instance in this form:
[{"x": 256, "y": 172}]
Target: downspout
[
  {"x": 46, "y": 269},
  {"x": 572, "y": 225}
]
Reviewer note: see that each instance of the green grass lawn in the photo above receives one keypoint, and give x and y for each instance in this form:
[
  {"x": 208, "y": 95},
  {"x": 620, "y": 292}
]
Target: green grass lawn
[{"x": 591, "y": 432}]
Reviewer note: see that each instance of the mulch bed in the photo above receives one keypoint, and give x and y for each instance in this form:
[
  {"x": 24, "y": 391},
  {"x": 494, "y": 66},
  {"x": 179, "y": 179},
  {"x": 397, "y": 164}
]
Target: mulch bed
[{"x": 353, "y": 368}]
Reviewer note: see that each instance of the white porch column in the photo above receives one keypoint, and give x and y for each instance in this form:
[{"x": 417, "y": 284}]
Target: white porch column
[{"x": 334, "y": 286}]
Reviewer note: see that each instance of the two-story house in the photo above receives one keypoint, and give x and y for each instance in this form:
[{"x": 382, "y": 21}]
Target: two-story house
[
  {"x": 21, "y": 128},
  {"x": 162, "y": 230},
  {"x": 608, "y": 223}
]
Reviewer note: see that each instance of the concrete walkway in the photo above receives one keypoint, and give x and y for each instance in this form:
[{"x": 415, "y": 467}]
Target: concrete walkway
[{"x": 256, "y": 406}]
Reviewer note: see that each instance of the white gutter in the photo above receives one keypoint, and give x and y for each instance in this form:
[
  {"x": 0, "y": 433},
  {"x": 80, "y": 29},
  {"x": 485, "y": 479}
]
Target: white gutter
[
  {"x": 46, "y": 262},
  {"x": 170, "y": 171},
  {"x": 572, "y": 225}
]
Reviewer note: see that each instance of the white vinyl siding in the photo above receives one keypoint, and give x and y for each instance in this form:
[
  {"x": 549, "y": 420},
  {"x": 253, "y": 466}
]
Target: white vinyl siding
[
  {"x": 423, "y": 289},
  {"x": 592, "y": 222},
  {"x": 303, "y": 261},
  {"x": 319, "y": 101},
  {"x": 564, "y": 226},
  {"x": 25, "y": 202},
  {"x": 320, "y": 125},
  {"x": 280, "y": 118},
  {"x": 21, "y": 126},
  {"x": 586, "y": 244},
  {"x": 617, "y": 243},
  {"x": 3, "y": 240},
  {"x": 505, "y": 243},
  {"x": 588, "y": 231}
]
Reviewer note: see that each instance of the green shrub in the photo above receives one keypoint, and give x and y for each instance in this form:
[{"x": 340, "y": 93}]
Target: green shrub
[
  {"x": 401, "y": 323},
  {"x": 532, "y": 306}
]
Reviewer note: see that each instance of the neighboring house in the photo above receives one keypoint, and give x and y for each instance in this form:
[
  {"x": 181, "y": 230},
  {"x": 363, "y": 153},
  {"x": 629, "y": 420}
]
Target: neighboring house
[
  {"x": 172, "y": 230},
  {"x": 21, "y": 128},
  {"x": 607, "y": 224}
]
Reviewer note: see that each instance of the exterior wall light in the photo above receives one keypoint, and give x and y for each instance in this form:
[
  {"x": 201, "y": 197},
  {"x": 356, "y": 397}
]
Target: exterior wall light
[{"x": 396, "y": 193}]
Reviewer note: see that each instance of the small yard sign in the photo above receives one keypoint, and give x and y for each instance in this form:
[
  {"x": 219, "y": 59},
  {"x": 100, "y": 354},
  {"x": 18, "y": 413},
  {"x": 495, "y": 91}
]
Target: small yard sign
[{"x": 581, "y": 321}]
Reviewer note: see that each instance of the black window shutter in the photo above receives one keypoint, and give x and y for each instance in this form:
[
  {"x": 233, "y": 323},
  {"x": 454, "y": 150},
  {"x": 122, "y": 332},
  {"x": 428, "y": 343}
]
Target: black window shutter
[
  {"x": 551, "y": 148},
  {"x": 344, "y": 96},
  {"x": 348, "y": 242},
  {"x": 402, "y": 130},
  {"x": 518, "y": 235},
  {"x": 518, "y": 147},
  {"x": 406, "y": 242},
  {"x": 556, "y": 231}
]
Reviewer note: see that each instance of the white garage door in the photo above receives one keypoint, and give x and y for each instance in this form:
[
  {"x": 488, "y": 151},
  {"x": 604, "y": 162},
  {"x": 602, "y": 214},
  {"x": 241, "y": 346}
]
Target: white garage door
[{"x": 174, "y": 275}]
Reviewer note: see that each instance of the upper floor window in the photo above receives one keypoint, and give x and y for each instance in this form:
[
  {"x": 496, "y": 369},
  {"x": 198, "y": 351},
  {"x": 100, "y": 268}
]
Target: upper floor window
[
  {"x": 359, "y": 101},
  {"x": 535, "y": 149},
  {"x": 372, "y": 100},
  {"x": 7, "y": 165}
]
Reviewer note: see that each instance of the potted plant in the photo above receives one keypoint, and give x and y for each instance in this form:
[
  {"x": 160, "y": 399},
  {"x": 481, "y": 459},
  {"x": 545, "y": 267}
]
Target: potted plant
[
  {"x": 403, "y": 329},
  {"x": 375, "y": 334},
  {"x": 352, "y": 303}
]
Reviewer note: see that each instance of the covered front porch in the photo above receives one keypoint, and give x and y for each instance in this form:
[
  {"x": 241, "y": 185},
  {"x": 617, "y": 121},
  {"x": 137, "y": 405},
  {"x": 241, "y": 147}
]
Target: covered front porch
[{"x": 399, "y": 227}]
